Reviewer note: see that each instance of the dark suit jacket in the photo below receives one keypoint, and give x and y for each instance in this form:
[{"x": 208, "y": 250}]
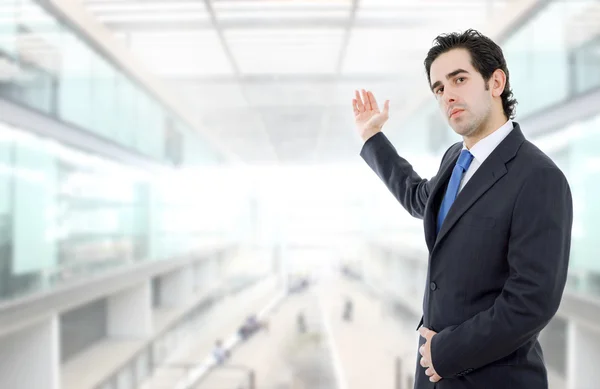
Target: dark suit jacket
[{"x": 498, "y": 267}]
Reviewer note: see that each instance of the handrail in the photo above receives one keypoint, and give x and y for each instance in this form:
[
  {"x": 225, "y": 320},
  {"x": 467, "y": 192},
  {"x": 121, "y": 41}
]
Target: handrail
[{"x": 233, "y": 341}]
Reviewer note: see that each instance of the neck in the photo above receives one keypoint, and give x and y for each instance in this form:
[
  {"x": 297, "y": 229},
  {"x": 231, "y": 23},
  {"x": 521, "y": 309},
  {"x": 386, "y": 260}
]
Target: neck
[{"x": 489, "y": 126}]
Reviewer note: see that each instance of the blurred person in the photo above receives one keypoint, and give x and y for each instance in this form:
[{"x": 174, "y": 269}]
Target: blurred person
[
  {"x": 497, "y": 218},
  {"x": 301, "y": 323},
  {"x": 348, "y": 310},
  {"x": 248, "y": 328},
  {"x": 252, "y": 325},
  {"x": 219, "y": 352}
]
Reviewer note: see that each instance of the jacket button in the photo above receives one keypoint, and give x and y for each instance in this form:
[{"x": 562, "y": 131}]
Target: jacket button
[{"x": 433, "y": 286}]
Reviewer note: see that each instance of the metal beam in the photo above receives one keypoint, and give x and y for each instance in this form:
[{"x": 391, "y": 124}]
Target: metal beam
[
  {"x": 214, "y": 22},
  {"x": 241, "y": 8},
  {"x": 255, "y": 23},
  {"x": 135, "y": 7},
  {"x": 338, "y": 71},
  {"x": 219, "y": 29},
  {"x": 292, "y": 78},
  {"x": 346, "y": 39}
]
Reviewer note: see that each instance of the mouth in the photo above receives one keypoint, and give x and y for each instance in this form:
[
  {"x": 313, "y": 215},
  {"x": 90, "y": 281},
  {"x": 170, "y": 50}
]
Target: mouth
[{"x": 455, "y": 112}]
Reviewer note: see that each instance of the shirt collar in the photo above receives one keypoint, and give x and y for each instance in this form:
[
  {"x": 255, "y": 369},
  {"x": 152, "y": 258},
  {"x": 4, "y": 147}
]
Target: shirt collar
[{"x": 482, "y": 149}]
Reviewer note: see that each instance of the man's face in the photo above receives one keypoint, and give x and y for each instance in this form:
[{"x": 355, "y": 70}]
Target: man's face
[{"x": 461, "y": 92}]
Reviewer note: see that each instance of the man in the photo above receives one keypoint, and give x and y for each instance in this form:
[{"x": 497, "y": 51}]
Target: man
[{"x": 497, "y": 218}]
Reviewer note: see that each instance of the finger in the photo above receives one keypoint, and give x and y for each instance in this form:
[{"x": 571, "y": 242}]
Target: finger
[
  {"x": 359, "y": 103},
  {"x": 422, "y": 350},
  {"x": 424, "y": 362},
  {"x": 429, "y": 372},
  {"x": 435, "y": 378},
  {"x": 365, "y": 97},
  {"x": 355, "y": 107},
  {"x": 423, "y": 330},
  {"x": 372, "y": 101},
  {"x": 386, "y": 107}
]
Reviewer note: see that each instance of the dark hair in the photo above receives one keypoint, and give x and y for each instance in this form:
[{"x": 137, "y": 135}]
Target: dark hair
[{"x": 486, "y": 57}]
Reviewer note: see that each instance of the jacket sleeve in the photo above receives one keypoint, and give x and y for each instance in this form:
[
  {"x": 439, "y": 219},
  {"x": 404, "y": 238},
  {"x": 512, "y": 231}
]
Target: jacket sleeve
[
  {"x": 406, "y": 185},
  {"x": 538, "y": 256}
]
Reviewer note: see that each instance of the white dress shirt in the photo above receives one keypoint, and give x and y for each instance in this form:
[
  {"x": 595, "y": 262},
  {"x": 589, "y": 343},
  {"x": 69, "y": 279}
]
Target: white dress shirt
[{"x": 482, "y": 149}]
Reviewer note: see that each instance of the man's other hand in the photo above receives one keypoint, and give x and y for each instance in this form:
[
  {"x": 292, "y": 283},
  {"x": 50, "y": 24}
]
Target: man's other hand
[
  {"x": 369, "y": 120},
  {"x": 425, "y": 351}
]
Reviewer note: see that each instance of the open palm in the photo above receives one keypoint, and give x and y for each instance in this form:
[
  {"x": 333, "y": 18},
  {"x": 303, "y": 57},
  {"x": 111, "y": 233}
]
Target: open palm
[{"x": 367, "y": 116}]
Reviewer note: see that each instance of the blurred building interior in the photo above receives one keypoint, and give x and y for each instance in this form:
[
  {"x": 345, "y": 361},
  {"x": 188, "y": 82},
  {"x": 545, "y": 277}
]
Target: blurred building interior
[{"x": 171, "y": 169}]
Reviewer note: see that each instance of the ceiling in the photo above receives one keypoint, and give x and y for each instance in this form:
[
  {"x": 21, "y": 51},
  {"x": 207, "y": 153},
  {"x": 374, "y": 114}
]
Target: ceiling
[{"x": 274, "y": 79}]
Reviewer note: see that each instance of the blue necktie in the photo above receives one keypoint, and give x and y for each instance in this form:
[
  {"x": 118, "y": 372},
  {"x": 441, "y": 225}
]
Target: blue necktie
[{"x": 463, "y": 163}]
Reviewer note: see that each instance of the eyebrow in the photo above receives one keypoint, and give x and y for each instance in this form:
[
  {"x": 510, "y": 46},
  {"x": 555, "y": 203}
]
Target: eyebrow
[{"x": 448, "y": 76}]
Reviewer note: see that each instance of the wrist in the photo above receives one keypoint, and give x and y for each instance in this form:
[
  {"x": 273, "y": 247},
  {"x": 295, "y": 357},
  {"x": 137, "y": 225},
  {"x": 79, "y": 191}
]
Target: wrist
[{"x": 369, "y": 134}]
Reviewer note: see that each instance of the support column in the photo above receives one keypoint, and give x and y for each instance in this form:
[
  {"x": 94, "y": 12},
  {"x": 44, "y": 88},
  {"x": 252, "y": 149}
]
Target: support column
[
  {"x": 177, "y": 287},
  {"x": 30, "y": 358},
  {"x": 130, "y": 312},
  {"x": 583, "y": 354},
  {"x": 203, "y": 278},
  {"x": 198, "y": 283},
  {"x": 212, "y": 272}
]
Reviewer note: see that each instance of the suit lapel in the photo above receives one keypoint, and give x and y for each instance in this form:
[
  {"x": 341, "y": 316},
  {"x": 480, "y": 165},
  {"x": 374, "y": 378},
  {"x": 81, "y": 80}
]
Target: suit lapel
[
  {"x": 492, "y": 169},
  {"x": 485, "y": 177},
  {"x": 436, "y": 195}
]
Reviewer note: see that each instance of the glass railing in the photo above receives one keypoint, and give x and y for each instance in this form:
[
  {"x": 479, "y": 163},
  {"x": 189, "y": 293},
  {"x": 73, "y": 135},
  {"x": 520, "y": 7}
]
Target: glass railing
[
  {"x": 144, "y": 362},
  {"x": 66, "y": 214},
  {"x": 155, "y": 353},
  {"x": 47, "y": 66},
  {"x": 554, "y": 56},
  {"x": 576, "y": 151},
  {"x": 585, "y": 65}
]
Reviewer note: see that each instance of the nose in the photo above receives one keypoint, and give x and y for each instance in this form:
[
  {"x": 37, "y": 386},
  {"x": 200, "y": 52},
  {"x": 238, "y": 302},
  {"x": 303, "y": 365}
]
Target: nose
[{"x": 450, "y": 97}]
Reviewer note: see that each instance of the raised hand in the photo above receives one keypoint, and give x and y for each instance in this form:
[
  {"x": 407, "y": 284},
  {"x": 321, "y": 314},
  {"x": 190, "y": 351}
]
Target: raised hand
[{"x": 369, "y": 120}]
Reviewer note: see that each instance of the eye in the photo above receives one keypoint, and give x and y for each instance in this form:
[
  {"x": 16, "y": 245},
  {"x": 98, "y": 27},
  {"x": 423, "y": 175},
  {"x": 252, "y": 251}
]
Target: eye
[
  {"x": 439, "y": 91},
  {"x": 460, "y": 80}
]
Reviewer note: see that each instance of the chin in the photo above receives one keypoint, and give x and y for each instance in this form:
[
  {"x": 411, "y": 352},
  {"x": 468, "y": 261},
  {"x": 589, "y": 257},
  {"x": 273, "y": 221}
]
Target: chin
[
  {"x": 460, "y": 130},
  {"x": 464, "y": 129}
]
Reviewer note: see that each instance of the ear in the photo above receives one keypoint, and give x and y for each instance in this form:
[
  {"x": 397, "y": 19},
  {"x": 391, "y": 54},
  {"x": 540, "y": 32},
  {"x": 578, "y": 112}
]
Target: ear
[{"x": 497, "y": 82}]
